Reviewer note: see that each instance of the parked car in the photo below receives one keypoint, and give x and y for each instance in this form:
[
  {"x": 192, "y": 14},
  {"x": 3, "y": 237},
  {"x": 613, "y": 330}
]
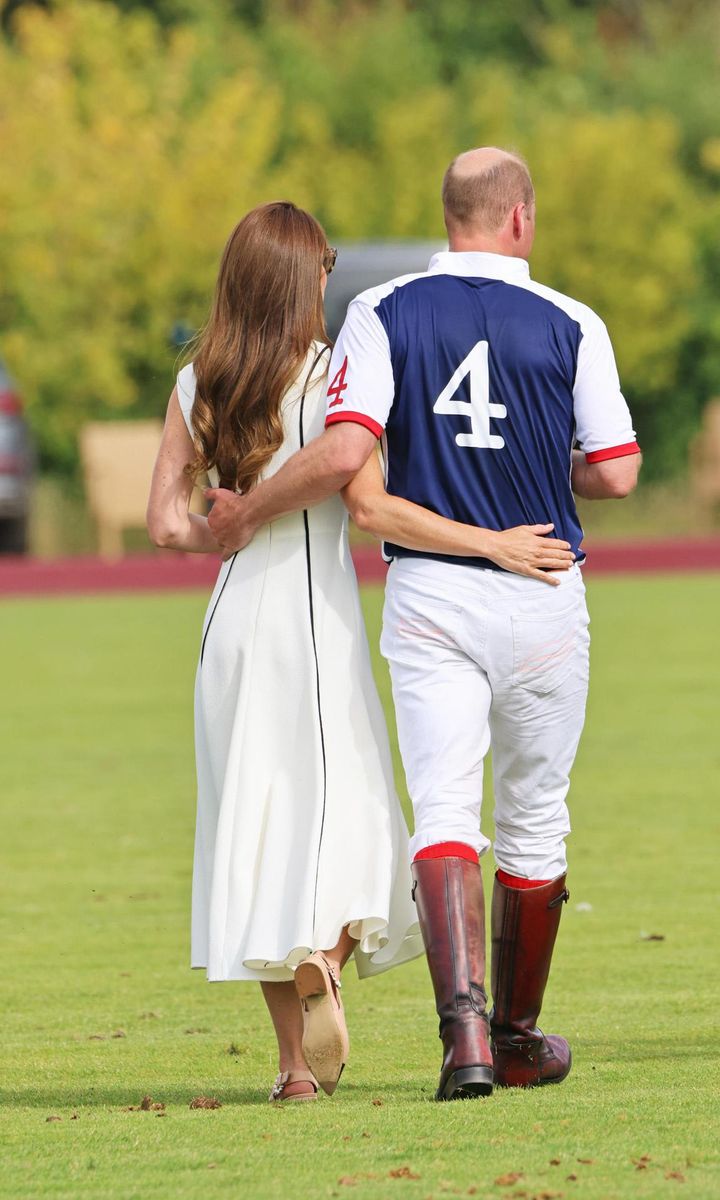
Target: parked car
[
  {"x": 366, "y": 264},
  {"x": 17, "y": 469}
]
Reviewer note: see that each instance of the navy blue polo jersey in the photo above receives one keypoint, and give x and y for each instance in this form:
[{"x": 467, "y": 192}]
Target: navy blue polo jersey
[{"x": 480, "y": 383}]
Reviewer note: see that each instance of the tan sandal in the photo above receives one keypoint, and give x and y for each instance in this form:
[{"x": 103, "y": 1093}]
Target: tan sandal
[
  {"x": 288, "y": 1079},
  {"x": 325, "y": 1037}
]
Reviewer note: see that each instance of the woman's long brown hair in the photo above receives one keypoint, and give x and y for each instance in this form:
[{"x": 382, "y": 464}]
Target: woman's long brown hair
[{"x": 267, "y": 309}]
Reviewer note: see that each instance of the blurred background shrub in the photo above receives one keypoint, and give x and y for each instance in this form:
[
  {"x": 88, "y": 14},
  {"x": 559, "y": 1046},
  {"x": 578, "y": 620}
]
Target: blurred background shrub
[{"x": 133, "y": 136}]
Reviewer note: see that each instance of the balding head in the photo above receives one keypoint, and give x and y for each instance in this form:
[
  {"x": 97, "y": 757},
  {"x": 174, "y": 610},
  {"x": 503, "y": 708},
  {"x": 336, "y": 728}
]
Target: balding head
[{"x": 481, "y": 188}]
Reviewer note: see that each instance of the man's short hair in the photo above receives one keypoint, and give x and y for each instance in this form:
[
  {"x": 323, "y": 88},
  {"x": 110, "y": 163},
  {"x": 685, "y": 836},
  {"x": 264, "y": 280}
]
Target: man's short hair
[{"x": 483, "y": 199}]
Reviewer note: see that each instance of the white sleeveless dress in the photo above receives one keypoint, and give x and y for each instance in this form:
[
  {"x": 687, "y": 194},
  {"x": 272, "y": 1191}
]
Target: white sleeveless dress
[{"x": 299, "y": 830}]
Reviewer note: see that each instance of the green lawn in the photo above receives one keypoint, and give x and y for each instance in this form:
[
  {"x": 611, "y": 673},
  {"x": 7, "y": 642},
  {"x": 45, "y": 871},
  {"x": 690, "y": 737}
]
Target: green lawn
[{"x": 100, "y": 1009}]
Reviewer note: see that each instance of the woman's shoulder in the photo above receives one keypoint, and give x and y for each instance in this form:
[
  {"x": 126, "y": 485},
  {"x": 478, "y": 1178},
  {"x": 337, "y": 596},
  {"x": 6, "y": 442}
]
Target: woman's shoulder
[
  {"x": 319, "y": 355},
  {"x": 185, "y": 387},
  {"x": 307, "y": 395},
  {"x": 186, "y": 381},
  {"x": 313, "y": 370}
]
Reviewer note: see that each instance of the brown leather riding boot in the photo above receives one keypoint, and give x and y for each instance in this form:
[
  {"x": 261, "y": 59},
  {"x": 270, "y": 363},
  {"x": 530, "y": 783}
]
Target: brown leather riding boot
[
  {"x": 524, "y": 927},
  {"x": 451, "y": 909}
]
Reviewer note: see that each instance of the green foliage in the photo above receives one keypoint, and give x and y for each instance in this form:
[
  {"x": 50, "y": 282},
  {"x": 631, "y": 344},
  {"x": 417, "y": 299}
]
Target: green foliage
[
  {"x": 134, "y": 136},
  {"x": 643, "y": 286},
  {"x": 112, "y": 213}
]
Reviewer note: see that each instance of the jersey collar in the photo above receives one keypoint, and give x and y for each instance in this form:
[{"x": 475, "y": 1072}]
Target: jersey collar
[{"x": 479, "y": 263}]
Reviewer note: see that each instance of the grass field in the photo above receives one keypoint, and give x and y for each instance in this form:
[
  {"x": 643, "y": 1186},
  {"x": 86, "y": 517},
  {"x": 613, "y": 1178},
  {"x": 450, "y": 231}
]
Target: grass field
[{"x": 99, "y": 1007}]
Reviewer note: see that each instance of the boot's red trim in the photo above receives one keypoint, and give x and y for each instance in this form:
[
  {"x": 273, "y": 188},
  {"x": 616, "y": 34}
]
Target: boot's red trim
[
  {"x": 515, "y": 881},
  {"x": 448, "y": 850}
]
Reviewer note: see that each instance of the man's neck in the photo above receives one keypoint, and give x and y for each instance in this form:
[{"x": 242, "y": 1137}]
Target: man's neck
[{"x": 480, "y": 245}]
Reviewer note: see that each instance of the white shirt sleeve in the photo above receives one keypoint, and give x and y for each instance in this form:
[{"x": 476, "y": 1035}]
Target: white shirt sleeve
[
  {"x": 603, "y": 425},
  {"x": 361, "y": 386}
]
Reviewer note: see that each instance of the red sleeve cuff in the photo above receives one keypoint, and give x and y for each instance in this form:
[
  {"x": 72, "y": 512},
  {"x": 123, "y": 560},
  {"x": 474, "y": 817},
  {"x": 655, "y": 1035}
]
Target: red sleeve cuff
[
  {"x": 612, "y": 452},
  {"x": 357, "y": 418}
]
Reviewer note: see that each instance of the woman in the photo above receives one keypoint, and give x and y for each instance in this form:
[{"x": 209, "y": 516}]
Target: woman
[{"x": 301, "y": 848}]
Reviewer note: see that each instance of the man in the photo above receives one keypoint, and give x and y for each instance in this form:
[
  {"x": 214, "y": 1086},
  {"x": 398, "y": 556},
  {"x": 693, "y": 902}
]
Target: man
[{"x": 480, "y": 382}]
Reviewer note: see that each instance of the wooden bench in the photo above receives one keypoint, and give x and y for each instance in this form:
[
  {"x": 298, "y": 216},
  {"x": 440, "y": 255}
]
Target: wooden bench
[
  {"x": 705, "y": 457},
  {"x": 118, "y": 459}
]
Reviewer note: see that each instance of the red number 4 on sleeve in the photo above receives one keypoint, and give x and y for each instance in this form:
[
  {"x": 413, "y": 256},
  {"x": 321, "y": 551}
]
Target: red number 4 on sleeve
[{"x": 338, "y": 385}]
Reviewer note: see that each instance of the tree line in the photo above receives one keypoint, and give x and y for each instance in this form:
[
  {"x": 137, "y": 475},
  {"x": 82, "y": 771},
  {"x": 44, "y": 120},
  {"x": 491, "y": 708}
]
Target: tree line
[{"x": 133, "y": 136}]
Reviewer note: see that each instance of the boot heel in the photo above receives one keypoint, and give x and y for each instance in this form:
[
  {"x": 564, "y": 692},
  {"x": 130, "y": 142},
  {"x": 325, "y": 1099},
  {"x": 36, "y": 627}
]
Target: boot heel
[
  {"x": 524, "y": 927},
  {"x": 467, "y": 1083}
]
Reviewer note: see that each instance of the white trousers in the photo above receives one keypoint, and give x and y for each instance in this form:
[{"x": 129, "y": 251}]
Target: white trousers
[{"x": 484, "y": 659}]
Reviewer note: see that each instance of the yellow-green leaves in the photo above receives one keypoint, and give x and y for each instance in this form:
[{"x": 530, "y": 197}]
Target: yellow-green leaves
[{"x": 129, "y": 151}]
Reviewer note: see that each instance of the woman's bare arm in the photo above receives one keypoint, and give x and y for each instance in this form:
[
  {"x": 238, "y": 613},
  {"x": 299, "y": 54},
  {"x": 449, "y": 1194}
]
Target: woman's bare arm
[
  {"x": 169, "y": 522},
  {"x": 523, "y": 550}
]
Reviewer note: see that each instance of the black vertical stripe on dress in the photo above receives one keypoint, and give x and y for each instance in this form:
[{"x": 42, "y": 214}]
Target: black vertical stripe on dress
[
  {"x": 308, "y": 560},
  {"x": 212, "y": 614}
]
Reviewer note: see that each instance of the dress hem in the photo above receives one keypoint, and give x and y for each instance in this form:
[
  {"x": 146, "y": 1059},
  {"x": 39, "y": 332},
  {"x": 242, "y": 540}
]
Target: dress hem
[{"x": 367, "y": 963}]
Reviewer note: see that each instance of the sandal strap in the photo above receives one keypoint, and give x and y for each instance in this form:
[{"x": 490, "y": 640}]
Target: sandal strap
[
  {"x": 300, "y": 1077},
  {"x": 287, "y": 1077},
  {"x": 331, "y": 971}
]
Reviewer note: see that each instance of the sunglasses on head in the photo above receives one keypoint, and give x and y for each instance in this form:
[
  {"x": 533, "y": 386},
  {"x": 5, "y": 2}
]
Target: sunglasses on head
[{"x": 329, "y": 259}]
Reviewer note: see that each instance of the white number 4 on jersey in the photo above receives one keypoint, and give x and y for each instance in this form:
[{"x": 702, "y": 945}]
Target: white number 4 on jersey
[{"x": 478, "y": 408}]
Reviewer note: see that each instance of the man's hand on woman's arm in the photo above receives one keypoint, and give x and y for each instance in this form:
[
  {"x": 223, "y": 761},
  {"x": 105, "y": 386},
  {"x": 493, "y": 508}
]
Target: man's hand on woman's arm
[
  {"x": 525, "y": 550},
  {"x": 169, "y": 521},
  {"x": 318, "y": 471}
]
